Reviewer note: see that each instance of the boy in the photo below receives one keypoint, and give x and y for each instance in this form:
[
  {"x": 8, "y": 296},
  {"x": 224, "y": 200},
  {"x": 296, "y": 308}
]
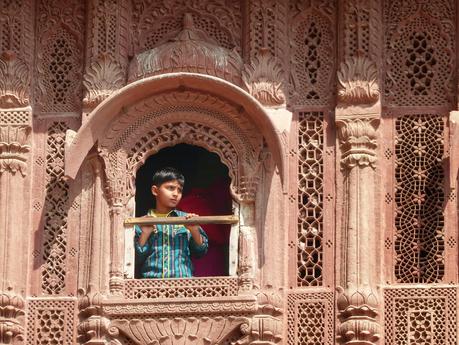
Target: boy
[{"x": 164, "y": 251}]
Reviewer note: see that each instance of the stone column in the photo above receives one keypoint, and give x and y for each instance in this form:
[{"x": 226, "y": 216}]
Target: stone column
[
  {"x": 358, "y": 116},
  {"x": 358, "y": 302},
  {"x": 16, "y": 21}
]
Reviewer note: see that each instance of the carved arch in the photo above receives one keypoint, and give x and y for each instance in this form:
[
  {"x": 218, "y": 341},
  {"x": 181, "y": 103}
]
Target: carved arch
[{"x": 179, "y": 98}]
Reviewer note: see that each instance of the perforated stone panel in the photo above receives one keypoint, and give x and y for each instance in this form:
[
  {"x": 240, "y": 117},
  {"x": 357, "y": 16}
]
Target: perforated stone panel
[
  {"x": 310, "y": 318},
  {"x": 53, "y": 271},
  {"x": 310, "y": 198},
  {"x": 51, "y": 322},
  {"x": 420, "y": 50},
  {"x": 417, "y": 316},
  {"x": 419, "y": 197},
  {"x": 181, "y": 288}
]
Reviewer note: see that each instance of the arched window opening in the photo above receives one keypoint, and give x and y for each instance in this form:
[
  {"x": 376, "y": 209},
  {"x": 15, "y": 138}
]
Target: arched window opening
[{"x": 206, "y": 192}]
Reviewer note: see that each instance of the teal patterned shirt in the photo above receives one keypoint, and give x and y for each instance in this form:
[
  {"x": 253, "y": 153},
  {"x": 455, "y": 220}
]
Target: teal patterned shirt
[{"x": 167, "y": 253}]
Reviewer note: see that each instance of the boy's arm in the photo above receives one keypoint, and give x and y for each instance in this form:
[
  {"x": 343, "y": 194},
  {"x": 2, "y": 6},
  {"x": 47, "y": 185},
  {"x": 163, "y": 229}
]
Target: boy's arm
[
  {"x": 141, "y": 245},
  {"x": 199, "y": 243}
]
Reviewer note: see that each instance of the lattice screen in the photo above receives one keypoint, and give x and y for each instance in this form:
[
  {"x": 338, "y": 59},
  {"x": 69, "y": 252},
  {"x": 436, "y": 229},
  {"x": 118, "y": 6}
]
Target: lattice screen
[
  {"x": 310, "y": 198},
  {"x": 56, "y": 207},
  {"x": 419, "y": 316},
  {"x": 310, "y": 319},
  {"x": 181, "y": 288},
  {"x": 51, "y": 322},
  {"x": 419, "y": 198}
]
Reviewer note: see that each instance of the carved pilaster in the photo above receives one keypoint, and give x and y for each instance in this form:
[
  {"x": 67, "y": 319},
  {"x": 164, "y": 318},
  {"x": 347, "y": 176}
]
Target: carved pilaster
[
  {"x": 357, "y": 300},
  {"x": 14, "y": 197},
  {"x": 358, "y": 116},
  {"x": 116, "y": 282}
]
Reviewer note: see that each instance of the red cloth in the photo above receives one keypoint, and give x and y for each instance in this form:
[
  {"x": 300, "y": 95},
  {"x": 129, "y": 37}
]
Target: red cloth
[{"x": 214, "y": 200}]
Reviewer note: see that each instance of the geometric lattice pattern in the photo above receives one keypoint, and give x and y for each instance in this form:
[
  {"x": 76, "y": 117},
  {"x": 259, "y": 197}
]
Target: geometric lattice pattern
[
  {"x": 56, "y": 203},
  {"x": 312, "y": 60},
  {"x": 419, "y": 197},
  {"x": 417, "y": 316},
  {"x": 310, "y": 318},
  {"x": 310, "y": 199},
  {"x": 50, "y": 322},
  {"x": 181, "y": 288},
  {"x": 420, "y": 52}
]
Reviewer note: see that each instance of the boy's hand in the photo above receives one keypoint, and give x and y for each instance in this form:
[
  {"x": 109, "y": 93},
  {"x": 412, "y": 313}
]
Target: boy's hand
[
  {"x": 147, "y": 230},
  {"x": 194, "y": 229}
]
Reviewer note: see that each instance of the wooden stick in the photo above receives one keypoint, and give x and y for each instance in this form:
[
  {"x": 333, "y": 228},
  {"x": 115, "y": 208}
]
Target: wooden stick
[{"x": 229, "y": 219}]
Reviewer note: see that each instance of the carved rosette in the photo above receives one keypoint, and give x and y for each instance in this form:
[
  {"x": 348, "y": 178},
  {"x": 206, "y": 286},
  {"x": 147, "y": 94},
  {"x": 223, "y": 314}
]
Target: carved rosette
[
  {"x": 358, "y": 312},
  {"x": 14, "y": 147},
  {"x": 101, "y": 79},
  {"x": 358, "y": 139},
  {"x": 358, "y": 81},
  {"x": 263, "y": 79},
  {"x": 14, "y": 81},
  {"x": 11, "y": 313}
]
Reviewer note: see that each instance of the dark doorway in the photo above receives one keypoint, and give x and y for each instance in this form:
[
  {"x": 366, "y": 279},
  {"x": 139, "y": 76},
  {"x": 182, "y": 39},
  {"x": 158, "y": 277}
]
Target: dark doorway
[{"x": 206, "y": 192}]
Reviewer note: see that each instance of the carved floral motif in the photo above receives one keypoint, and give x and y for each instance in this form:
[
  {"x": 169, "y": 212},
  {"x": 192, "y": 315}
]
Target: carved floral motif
[
  {"x": 358, "y": 81},
  {"x": 358, "y": 312},
  {"x": 263, "y": 79},
  {"x": 14, "y": 81},
  {"x": 178, "y": 330},
  {"x": 358, "y": 141},
  {"x": 102, "y": 78},
  {"x": 11, "y": 313},
  {"x": 14, "y": 146}
]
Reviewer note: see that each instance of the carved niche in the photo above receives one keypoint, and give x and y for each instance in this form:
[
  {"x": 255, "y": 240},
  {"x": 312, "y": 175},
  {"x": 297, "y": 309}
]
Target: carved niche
[{"x": 182, "y": 117}]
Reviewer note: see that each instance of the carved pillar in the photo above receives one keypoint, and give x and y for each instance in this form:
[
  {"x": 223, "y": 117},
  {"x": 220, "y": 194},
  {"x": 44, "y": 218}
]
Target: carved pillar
[
  {"x": 106, "y": 50},
  {"x": 16, "y": 47},
  {"x": 358, "y": 116}
]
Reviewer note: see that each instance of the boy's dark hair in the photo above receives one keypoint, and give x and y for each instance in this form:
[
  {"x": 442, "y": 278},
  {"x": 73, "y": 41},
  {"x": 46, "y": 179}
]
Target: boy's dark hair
[{"x": 167, "y": 174}]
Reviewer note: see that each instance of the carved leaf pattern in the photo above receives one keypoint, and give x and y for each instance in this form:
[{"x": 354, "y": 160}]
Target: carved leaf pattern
[{"x": 14, "y": 81}]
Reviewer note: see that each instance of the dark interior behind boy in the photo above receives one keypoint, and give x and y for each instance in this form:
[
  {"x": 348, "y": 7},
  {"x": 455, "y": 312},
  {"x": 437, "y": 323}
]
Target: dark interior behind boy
[{"x": 164, "y": 251}]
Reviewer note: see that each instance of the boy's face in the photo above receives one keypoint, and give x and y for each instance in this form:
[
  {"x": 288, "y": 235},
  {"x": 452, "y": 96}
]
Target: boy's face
[{"x": 168, "y": 194}]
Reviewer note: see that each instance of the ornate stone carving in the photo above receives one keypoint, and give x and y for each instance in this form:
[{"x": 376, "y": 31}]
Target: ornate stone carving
[
  {"x": 358, "y": 312},
  {"x": 312, "y": 54},
  {"x": 11, "y": 318},
  {"x": 419, "y": 203},
  {"x": 208, "y": 306},
  {"x": 51, "y": 321},
  {"x": 358, "y": 81},
  {"x": 14, "y": 148},
  {"x": 310, "y": 229},
  {"x": 263, "y": 79},
  {"x": 192, "y": 50},
  {"x": 54, "y": 268},
  {"x": 310, "y": 318},
  {"x": 420, "y": 315},
  {"x": 178, "y": 330},
  {"x": 102, "y": 78},
  {"x": 214, "y": 125},
  {"x": 59, "y": 50},
  {"x": 358, "y": 141},
  {"x": 418, "y": 72},
  {"x": 14, "y": 81},
  {"x": 155, "y": 22}
]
